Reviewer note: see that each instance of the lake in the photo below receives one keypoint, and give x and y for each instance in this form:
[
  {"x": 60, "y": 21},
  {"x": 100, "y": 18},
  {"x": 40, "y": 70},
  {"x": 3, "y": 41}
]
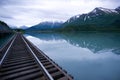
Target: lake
[
  {"x": 84, "y": 55},
  {"x": 4, "y": 38}
]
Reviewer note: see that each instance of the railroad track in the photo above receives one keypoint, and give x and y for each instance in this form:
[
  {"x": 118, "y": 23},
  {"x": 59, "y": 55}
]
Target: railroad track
[{"x": 23, "y": 61}]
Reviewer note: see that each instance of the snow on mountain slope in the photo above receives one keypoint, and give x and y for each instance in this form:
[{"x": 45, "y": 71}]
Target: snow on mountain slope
[
  {"x": 104, "y": 10},
  {"x": 99, "y": 11}
]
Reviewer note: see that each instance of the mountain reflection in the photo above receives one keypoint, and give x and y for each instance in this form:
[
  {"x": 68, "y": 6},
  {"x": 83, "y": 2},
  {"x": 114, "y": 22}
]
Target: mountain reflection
[{"x": 96, "y": 42}]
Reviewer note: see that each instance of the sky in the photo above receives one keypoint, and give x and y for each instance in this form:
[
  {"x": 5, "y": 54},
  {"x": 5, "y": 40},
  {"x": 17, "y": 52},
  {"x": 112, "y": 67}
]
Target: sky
[{"x": 31, "y": 12}]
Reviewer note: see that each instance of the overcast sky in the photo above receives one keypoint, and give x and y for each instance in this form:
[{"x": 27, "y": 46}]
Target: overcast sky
[{"x": 31, "y": 12}]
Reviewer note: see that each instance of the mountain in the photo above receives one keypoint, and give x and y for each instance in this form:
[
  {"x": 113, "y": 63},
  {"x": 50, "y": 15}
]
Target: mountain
[
  {"x": 13, "y": 27},
  {"x": 16, "y": 27},
  {"x": 23, "y": 27},
  {"x": 98, "y": 19},
  {"x": 118, "y": 9},
  {"x": 45, "y": 26},
  {"x": 4, "y": 27}
]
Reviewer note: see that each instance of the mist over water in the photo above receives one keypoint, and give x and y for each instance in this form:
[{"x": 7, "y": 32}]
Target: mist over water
[{"x": 86, "y": 56}]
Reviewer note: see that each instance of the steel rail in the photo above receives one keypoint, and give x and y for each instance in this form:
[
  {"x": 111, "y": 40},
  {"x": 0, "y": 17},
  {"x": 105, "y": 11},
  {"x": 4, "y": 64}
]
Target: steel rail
[
  {"x": 7, "y": 50},
  {"x": 7, "y": 42},
  {"x": 44, "y": 69}
]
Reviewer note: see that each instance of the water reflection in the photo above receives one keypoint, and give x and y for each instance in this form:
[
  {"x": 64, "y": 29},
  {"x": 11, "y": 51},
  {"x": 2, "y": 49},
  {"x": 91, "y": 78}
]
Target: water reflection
[
  {"x": 96, "y": 42},
  {"x": 78, "y": 53},
  {"x": 4, "y": 38}
]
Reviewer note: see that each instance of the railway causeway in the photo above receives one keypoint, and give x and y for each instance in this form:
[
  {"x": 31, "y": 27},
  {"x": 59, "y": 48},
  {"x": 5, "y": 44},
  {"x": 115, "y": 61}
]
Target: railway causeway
[{"x": 21, "y": 60}]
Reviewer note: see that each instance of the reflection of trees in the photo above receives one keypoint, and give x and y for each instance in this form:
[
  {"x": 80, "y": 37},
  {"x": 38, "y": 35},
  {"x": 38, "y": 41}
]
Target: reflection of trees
[
  {"x": 93, "y": 41},
  {"x": 46, "y": 36}
]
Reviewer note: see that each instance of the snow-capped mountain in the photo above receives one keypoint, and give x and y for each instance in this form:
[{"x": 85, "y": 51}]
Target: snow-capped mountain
[
  {"x": 46, "y": 26},
  {"x": 98, "y": 19},
  {"x": 23, "y": 27},
  {"x": 102, "y": 17},
  {"x": 96, "y": 12},
  {"x": 103, "y": 10}
]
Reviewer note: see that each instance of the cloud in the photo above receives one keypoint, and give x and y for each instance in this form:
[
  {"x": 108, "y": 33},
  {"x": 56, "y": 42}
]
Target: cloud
[
  {"x": 6, "y": 17},
  {"x": 29, "y": 12}
]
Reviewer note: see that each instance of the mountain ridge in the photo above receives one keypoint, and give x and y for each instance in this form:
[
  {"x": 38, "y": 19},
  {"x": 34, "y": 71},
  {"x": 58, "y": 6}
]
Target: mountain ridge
[
  {"x": 46, "y": 26},
  {"x": 98, "y": 19},
  {"x": 4, "y": 27}
]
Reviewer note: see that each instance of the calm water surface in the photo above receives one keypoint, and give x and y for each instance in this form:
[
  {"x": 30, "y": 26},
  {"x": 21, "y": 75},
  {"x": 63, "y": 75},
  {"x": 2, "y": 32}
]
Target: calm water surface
[
  {"x": 86, "y": 56},
  {"x": 4, "y": 40}
]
